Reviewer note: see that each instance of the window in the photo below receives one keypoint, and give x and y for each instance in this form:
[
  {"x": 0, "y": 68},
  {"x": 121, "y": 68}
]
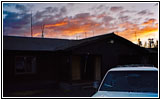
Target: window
[
  {"x": 25, "y": 64},
  {"x": 131, "y": 81}
]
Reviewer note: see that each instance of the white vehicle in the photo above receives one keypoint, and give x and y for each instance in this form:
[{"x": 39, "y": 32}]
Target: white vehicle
[{"x": 129, "y": 82}]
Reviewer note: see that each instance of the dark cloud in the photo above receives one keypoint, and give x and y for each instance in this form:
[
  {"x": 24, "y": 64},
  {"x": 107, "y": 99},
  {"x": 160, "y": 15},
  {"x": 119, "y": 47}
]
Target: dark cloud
[
  {"x": 115, "y": 9},
  {"x": 49, "y": 14},
  {"x": 70, "y": 4},
  {"x": 21, "y": 8},
  {"x": 99, "y": 9},
  {"x": 127, "y": 11},
  {"x": 101, "y": 15},
  {"x": 124, "y": 18},
  {"x": 63, "y": 10},
  {"x": 82, "y": 15},
  {"x": 39, "y": 14},
  {"x": 150, "y": 13},
  {"x": 102, "y": 7},
  {"x": 16, "y": 32},
  {"x": 51, "y": 9},
  {"x": 8, "y": 4},
  {"x": 156, "y": 4},
  {"x": 46, "y": 12},
  {"x": 107, "y": 19},
  {"x": 143, "y": 12},
  {"x": 15, "y": 21}
]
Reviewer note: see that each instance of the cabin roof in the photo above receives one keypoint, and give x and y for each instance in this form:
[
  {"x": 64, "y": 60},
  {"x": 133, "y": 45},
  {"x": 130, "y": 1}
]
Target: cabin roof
[
  {"x": 35, "y": 44},
  {"x": 50, "y": 44}
]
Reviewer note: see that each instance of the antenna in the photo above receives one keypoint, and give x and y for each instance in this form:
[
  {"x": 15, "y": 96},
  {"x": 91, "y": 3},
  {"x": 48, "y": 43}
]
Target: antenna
[
  {"x": 42, "y": 27},
  {"x": 93, "y": 29},
  {"x": 31, "y": 25},
  {"x": 85, "y": 34},
  {"x": 135, "y": 36},
  {"x": 117, "y": 32},
  {"x": 76, "y": 37}
]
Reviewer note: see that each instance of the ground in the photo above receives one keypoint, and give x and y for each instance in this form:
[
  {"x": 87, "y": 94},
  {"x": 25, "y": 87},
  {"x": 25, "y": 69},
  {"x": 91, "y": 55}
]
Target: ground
[
  {"x": 47, "y": 90},
  {"x": 52, "y": 93}
]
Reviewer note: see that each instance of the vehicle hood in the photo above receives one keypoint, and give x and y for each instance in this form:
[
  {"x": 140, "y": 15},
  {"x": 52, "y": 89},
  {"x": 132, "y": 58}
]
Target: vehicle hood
[{"x": 124, "y": 94}]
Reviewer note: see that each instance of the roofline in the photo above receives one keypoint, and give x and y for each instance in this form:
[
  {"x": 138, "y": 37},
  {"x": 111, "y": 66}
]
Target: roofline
[
  {"x": 84, "y": 42},
  {"x": 5, "y": 36},
  {"x": 110, "y": 34},
  {"x": 98, "y": 36}
]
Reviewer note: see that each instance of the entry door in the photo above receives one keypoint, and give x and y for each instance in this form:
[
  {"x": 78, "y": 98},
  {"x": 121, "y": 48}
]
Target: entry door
[
  {"x": 97, "y": 73},
  {"x": 76, "y": 73},
  {"x": 90, "y": 67}
]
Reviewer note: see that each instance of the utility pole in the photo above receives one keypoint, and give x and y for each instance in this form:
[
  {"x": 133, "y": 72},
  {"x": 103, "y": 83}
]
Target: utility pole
[{"x": 31, "y": 25}]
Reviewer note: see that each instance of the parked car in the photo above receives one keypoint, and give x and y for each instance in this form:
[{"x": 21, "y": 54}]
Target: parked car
[{"x": 129, "y": 82}]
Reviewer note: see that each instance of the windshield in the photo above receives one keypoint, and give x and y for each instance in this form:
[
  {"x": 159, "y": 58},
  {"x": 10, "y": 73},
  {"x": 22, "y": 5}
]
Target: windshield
[{"x": 131, "y": 81}]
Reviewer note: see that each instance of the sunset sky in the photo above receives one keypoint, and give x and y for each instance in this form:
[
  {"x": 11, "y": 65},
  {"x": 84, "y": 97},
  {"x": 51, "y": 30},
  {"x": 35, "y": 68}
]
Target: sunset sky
[{"x": 131, "y": 20}]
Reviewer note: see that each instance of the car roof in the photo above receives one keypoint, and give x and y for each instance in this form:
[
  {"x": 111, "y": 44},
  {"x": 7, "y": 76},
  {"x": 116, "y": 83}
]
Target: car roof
[{"x": 134, "y": 69}]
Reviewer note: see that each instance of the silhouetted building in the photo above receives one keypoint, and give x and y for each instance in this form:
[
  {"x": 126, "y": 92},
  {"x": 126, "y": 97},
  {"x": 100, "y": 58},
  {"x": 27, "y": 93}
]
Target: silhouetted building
[{"x": 27, "y": 59}]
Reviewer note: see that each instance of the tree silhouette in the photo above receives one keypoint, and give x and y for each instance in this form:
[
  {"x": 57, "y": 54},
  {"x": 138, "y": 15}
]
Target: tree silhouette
[
  {"x": 156, "y": 44},
  {"x": 139, "y": 42},
  {"x": 145, "y": 45},
  {"x": 150, "y": 43}
]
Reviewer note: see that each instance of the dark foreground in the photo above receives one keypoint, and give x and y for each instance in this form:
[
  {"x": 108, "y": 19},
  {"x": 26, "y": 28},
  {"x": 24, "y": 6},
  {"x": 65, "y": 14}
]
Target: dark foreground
[
  {"x": 47, "y": 91},
  {"x": 52, "y": 93}
]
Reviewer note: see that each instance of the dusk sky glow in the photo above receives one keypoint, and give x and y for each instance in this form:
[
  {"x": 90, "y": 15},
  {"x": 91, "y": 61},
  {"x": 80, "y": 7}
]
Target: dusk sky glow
[{"x": 81, "y": 20}]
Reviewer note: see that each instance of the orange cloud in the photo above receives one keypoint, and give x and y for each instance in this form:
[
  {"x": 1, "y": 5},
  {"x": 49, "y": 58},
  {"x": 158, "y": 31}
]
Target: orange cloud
[
  {"x": 149, "y": 22},
  {"x": 57, "y": 24},
  {"x": 101, "y": 15},
  {"x": 133, "y": 32},
  {"x": 147, "y": 31},
  {"x": 77, "y": 29},
  {"x": 36, "y": 34},
  {"x": 70, "y": 27}
]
